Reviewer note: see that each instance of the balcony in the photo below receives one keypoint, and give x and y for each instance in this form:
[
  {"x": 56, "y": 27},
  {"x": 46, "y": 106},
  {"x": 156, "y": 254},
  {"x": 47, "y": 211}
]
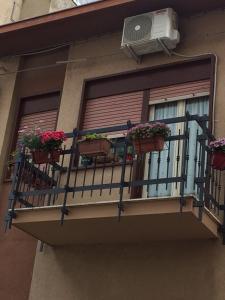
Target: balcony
[{"x": 173, "y": 194}]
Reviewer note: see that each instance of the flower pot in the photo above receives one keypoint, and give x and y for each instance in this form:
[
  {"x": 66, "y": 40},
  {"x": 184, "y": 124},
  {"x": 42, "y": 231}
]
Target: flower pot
[
  {"x": 148, "y": 145},
  {"x": 43, "y": 157},
  {"x": 218, "y": 160},
  {"x": 97, "y": 147}
]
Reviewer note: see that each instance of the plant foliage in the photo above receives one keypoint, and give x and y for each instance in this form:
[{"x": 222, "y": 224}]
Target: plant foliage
[{"x": 149, "y": 130}]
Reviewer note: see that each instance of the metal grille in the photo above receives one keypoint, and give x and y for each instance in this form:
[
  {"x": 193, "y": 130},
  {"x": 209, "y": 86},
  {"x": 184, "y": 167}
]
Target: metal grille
[{"x": 137, "y": 28}]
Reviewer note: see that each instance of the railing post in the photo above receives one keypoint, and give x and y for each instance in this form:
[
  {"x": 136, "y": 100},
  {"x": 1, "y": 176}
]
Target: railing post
[
  {"x": 183, "y": 162},
  {"x": 120, "y": 204},
  {"x": 14, "y": 190},
  {"x": 202, "y": 154},
  {"x": 64, "y": 209}
]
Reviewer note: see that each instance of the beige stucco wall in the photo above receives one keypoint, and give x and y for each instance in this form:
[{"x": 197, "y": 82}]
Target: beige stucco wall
[
  {"x": 33, "y": 8},
  {"x": 166, "y": 270},
  {"x": 60, "y": 5},
  {"x": 10, "y": 11},
  {"x": 7, "y": 106}
]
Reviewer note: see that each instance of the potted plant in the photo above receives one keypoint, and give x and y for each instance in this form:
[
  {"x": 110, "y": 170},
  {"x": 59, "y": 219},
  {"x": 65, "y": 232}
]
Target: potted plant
[
  {"x": 94, "y": 145},
  {"x": 218, "y": 156},
  {"x": 148, "y": 137},
  {"x": 45, "y": 146}
]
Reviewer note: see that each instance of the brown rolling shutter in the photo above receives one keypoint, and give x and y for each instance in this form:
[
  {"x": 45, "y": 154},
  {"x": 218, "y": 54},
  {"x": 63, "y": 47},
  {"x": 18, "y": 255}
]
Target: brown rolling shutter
[
  {"x": 180, "y": 90},
  {"x": 45, "y": 120},
  {"x": 113, "y": 110}
]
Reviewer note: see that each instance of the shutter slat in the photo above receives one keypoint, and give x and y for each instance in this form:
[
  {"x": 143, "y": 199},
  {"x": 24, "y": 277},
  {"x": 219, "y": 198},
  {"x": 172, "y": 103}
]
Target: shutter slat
[
  {"x": 100, "y": 105},
  {"x": 48, "y": 112},
  {"x": 48, "y": 121},
  {"x": 114, "y": 99},
  {"x": 113, "y": 110},
  {"x": 183, "y": 89},
  {"x": 115, "y": 117},
  {"x": 116, "y": 112},
  {"x": 31, "y": 124}
]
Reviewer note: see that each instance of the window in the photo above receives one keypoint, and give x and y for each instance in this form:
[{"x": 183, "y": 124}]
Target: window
[
  {"x": 112, "y": 111},
  {"x": 32, "y": 110},
  {"x": 41, "y": 111},
  {"x": 112, "y": 105}
]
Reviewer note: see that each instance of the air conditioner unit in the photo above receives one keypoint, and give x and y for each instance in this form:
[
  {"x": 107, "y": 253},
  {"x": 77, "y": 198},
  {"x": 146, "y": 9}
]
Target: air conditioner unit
[{"x": 150, "y": 32}]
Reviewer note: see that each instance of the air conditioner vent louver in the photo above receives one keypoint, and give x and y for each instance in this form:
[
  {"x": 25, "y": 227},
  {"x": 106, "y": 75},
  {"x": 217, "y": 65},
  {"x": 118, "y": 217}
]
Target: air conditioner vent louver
[
  {"x": 138, "y": 28},
  {"x": 147, "y": 33}
]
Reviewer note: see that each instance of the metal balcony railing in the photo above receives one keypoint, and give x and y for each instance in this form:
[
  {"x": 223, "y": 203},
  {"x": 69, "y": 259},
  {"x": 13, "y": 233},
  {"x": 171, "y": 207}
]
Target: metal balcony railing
[{"x": 182, "y": 168}]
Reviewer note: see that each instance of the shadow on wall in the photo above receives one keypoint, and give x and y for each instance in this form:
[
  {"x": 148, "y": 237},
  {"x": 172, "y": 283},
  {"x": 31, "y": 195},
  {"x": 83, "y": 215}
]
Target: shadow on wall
[
  {"x": 162, "y": 270},
  {"x": 17, "y": 253}
]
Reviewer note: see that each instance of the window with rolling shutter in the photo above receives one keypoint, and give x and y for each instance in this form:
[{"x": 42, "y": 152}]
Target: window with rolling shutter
[
  {"x": 40, "y": 111},
  {"x": 118, "y": 109},
  {"x": 113, "y": 110}
]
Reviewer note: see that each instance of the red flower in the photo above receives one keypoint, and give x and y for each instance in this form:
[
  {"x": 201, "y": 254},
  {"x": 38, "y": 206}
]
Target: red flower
[{"x": 47, "y": 136}]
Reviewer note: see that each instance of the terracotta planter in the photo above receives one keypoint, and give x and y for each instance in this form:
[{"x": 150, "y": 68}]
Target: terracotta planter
[
  {"x": 218, "y": 160},
  {"x": 148, "y": 145},
  {"x": 98, "y": 147},
  {"x": 43, "y": 157}
]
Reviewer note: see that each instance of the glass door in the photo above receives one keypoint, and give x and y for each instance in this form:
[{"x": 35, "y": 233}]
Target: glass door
[{"x": 167, "y": 163}]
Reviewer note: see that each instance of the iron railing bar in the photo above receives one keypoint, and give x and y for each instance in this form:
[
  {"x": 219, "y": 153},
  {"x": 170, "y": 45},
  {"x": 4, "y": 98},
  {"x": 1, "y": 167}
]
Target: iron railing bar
[
  {"x": 125, "y": 127},
  {"x": 210, "y": 197},
  {"x": 205, "y": 129},
  {"x": 103, "y": 186},
  {"x": 202, "y": 175},
  {"x": 64, "y": 210},
  {"x": 14, "y": 191},
  {"x": 42, "y": 192},
  {"x": 93, "y": 174},
  {"x": 183, "y": 163},
  {"x": 122, "y": 178}
]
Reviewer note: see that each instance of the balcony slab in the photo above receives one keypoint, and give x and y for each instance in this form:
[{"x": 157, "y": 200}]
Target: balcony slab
[{"x": 143, "y": 220}]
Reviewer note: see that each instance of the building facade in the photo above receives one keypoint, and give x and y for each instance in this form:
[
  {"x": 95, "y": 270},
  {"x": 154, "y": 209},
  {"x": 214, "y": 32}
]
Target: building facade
[{"x": 168, "y": 242}]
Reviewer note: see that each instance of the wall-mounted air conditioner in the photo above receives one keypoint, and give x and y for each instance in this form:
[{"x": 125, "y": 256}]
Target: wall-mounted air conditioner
[{"x": 150, "y": 32}]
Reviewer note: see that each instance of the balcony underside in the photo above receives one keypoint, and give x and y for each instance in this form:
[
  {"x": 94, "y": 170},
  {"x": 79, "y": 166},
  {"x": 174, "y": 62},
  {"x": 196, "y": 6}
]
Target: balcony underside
[{"x": 143, "y": 220}]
